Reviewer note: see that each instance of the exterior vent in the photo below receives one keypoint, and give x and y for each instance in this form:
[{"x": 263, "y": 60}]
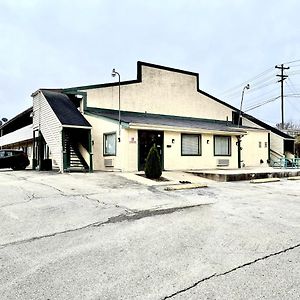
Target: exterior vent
[
  {"x": 222, "y": 162},
  {"x": 108, "y": 162}
]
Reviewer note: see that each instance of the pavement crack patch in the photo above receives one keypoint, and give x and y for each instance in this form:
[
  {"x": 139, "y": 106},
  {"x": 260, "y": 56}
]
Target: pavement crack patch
[
  {"x": 137, "y": 215},
  {"x": 215, "y": 275},
  {"x": 141, "y": 214}
]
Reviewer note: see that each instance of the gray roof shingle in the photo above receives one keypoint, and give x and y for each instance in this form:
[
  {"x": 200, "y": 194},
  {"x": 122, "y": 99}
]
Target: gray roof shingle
[
  {"x": 166, "y": 120},
  {"x": 65, "y": 110}
]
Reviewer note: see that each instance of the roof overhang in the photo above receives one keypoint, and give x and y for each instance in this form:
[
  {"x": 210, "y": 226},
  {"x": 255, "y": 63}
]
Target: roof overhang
[
  {"x": 78, "y": 127},
  {"x": 185, "y": 129}
]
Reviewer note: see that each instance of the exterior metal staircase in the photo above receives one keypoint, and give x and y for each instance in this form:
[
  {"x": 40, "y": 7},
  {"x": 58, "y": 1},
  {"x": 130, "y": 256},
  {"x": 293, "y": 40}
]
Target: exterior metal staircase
[{"x": 74, "y": 160}]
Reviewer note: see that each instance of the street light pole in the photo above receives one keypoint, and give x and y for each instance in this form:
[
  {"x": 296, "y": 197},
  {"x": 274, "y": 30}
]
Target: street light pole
[
  {"x": 113, "y": 74},
  {"x": 239, "y": 138},
  {"x": 246, "y": 87}
]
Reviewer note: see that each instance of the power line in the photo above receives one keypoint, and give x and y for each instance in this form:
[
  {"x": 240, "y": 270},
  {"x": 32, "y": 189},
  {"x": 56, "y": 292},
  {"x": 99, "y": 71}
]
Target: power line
[
  {"x": 261, "y": 104},
  {"x": 290, "y": 62},
  {"x": 293, "y": 105},
  {"x": 291, "y": 86},
  {"x": 254, "y": 88},
  {"x": 242, "y": 84}
]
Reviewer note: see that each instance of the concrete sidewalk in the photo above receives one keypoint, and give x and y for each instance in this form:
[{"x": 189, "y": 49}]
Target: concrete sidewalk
[{"x": 172, "y": 178}]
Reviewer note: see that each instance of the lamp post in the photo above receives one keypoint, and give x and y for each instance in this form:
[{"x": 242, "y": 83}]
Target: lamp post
[
  {"x": 246, "y": 87},
  {"x": 239, "y": 138},
  {"x": 113, "y": 74}
]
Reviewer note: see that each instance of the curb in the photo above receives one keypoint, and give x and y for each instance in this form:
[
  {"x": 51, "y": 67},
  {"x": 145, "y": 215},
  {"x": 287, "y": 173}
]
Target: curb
[
  {"x": 294, "y": 178},
  {"x": 264, "y": 180},
  {"x": 189, "y": 186}
]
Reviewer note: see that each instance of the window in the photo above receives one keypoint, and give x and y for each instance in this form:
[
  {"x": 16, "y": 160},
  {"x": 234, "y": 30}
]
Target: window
[
  {"x": 109, "y": 143},
  {"x": 190, "y": 144},
  {"x": 222, "y": 145},
  {"x": 259, "y": 144},
  {"x": 266, "y": 144}
]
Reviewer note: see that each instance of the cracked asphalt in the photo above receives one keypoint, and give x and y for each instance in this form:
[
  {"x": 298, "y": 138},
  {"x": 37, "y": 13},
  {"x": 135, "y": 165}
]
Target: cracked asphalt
[{"x": 102, "y": 236}]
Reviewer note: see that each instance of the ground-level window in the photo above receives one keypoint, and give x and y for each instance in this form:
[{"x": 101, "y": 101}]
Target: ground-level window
[
  {"x": 222, "y": 145},
  {"x": 190, "y": 144},
  {"x": 109, "y": 140}
]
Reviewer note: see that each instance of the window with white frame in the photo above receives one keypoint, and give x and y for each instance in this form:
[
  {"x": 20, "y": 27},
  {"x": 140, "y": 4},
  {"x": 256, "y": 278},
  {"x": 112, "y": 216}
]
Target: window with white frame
[
  {"x": 109, "y": 143},
  {"x": 190, "y": 144},
  {"x": 222, "y": 145}
]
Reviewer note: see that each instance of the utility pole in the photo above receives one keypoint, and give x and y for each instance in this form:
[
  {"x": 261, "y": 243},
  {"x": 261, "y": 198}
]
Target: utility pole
[{"x": 282, "y": 78}]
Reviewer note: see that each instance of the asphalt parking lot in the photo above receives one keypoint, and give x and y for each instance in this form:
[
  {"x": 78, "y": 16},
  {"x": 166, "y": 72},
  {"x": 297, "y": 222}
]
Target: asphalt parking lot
[{"x": 104, "y": 236}]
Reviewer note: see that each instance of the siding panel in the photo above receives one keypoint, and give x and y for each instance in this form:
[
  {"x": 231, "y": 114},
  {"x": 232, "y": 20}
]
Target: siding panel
[{"x": 45, "y": 120}]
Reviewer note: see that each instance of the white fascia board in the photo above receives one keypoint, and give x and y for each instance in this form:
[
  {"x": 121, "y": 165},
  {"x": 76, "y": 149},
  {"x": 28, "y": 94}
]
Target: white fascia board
[
  {"x": 20, "y": 135},
  {"x": 183, "y": 129},
  {"x": 78, "y": 127}
]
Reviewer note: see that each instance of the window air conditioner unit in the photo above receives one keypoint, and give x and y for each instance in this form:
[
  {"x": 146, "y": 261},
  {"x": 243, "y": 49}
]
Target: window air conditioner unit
[
  {"x": 223, "y": 162},
  {"x": 108, "y": 162}
]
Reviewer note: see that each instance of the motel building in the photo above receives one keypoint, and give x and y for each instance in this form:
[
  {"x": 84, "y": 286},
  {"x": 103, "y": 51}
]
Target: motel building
[{"x": 112, "y": 126}]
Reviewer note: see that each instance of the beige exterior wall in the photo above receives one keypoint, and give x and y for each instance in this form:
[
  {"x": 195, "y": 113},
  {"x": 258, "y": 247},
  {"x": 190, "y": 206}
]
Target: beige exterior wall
[
  {"x": 130, "y": 157},
  {"x": 249, "y": 123},
  {"x": 173, "y": 160},
  {"x": 99, "y": 127},
  {"x": 160, "y": 92},
  {"x": 126, "y": 158},
  {"x": 254, "y": 144},
  {"x": 255, "y": 148},
  {"x": 276, "y": 143}
]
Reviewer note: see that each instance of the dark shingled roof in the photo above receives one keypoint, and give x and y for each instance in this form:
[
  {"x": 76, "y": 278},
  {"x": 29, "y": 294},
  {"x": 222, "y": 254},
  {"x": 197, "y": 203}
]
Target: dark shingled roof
[
  {"x": 166, "y": 120},
  {"x": 269, "y": 127},
  {"x": 65, "y": 110}
]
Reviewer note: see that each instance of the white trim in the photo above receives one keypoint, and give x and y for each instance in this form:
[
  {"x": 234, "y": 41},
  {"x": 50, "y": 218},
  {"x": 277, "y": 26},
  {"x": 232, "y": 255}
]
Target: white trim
[
  {"x": 75, "y": 126},
  {"x": 183, "y": 129},
  {"x": 20, "y": 135}
]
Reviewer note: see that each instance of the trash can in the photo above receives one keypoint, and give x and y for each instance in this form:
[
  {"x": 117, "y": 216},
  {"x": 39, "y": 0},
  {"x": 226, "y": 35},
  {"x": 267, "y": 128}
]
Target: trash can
[{"x": 46, "y": 165}]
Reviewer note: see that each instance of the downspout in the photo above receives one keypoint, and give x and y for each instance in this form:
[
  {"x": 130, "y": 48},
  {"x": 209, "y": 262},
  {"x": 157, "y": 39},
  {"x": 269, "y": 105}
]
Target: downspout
[
  {"x": 64, "y": 152},
  {"x": 239, "y": 138},
  {"x": 269, "y": 148},
  {"x": 91, "y": 151},
  {"x": 34, "y": 160}
]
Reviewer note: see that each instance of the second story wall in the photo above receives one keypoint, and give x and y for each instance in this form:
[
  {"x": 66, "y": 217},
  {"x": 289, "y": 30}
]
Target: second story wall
[{"x": 160, "y": 90}]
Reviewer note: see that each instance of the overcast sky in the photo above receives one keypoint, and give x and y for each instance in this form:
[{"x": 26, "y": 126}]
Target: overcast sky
[{"x": 65, "y": 43}]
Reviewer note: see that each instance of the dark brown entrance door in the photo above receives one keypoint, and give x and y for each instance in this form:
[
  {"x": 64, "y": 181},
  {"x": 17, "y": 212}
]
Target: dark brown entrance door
[{"x": 146, "y": 138}]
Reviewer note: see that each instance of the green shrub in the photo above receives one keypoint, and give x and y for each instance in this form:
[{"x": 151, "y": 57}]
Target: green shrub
[{"x": 153, "y": 168}]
